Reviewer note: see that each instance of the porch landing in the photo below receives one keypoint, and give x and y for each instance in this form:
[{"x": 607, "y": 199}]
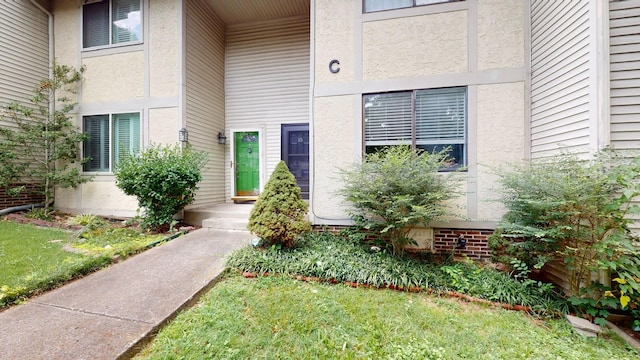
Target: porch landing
[{"x": 227, "y": 216}]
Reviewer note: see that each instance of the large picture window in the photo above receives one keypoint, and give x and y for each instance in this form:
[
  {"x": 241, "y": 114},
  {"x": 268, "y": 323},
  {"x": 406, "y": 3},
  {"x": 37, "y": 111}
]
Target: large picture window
[
  {"x": 111, "y": 22},
  {"x": 429, "y": 119},
  {"x": 381, "y": 5},
  {"x": 110, "y": 138}
]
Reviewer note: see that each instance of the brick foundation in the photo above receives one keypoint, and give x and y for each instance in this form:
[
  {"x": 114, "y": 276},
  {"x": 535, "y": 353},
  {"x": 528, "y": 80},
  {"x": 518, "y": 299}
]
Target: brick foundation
[
  {"x": 28, "y": 196},
  {"x": 476, "y": 248},
  {"x": 444, "y": 240}
]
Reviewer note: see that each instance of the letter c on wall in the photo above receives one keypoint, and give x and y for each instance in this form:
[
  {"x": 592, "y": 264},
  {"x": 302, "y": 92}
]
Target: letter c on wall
[{"x": 333, "y": 66}]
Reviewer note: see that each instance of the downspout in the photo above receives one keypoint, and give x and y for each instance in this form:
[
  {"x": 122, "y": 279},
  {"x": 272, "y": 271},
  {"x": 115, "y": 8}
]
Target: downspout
[{"x": 50, "y": 63}]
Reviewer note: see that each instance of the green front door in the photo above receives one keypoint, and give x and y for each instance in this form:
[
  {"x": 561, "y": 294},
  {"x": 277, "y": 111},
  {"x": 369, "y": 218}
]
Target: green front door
[{"x": 247, "y": 163}]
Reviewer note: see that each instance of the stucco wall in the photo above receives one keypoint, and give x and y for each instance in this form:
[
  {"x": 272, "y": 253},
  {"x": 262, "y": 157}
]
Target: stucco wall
[
  {"x": 415, "y": 46},
  {"x": 476, "y": 44},
  {"x": 500, "y": 134},
  {"x": 334, "y": 148},
  {"x": 500, "y": 34},
  {"x": 111, "y": 78},
  {"x": 137, "y": 77},
  {"x": 334, "y": 40}
]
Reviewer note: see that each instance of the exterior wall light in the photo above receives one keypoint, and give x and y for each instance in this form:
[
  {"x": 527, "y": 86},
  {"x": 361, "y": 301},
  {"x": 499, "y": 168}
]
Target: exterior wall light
[
  {"x": 222, "y": 139},
  {"x": 183, "y": 135}
]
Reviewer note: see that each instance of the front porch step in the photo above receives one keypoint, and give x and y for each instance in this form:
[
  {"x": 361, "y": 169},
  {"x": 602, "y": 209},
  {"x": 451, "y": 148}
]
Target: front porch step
[
  {"x": 220, "y": 216},
  {"x": 225, "y": 223}
]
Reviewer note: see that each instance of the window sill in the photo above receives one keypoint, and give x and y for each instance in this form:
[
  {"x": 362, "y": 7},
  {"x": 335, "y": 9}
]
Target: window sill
[{"x": 112, "y": 49}]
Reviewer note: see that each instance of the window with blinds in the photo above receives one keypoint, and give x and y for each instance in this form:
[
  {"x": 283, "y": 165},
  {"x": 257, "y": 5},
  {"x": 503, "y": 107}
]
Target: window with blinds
[
  {"x": 110, "y": 138},
  {"x": 429, "y": 119},
  {"x": 111, "y": 22}
]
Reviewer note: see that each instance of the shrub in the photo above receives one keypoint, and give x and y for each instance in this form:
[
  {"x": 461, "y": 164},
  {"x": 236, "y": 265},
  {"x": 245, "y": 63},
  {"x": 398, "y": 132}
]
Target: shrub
[
  {"x": 163, "y": 178},
  {"x": 577, "y": 212},
  {"x": 396, "y": 189},
  {"x": 278, "y": 216}
]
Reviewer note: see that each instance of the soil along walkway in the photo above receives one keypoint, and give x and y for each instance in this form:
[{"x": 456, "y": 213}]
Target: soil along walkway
[{"x": 106, "y": 314}]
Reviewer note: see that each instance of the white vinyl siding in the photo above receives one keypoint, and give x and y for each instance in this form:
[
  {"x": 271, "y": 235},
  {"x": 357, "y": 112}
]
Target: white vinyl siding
[
  {"x": 624, "y": 50},
  {"x": 267, "y": 80},
  {"x": 204, "y": 110},
  {"x": 624, "y": 30},
  {"x": 111, "y": 22},
  {"x": 24, "y": 51},
  {"x": 559, "y": 77}
]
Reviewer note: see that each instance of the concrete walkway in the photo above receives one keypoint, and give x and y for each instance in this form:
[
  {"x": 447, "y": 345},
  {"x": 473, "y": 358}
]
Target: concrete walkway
[{"x": 106, "y": 314}]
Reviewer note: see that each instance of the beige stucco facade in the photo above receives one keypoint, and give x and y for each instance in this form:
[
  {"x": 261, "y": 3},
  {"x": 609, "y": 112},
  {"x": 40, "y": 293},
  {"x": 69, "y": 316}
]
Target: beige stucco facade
[
  {"x": 479, "y": 45},
  {"x": 141, "y": 77}
]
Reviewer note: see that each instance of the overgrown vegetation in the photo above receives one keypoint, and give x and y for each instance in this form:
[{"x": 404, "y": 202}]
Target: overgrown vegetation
[
  {"x": 280, "y": 318},
  {"x": 577, "y": 212},
  {"x": 279, "y": 215},
  {"x": 164, "y": 179},
  {"x": 346, "y": 259},
  {"x": 396, "y": 189},
  {"x": 42, "y": 144},
  {"x": 36, "y": 259}
]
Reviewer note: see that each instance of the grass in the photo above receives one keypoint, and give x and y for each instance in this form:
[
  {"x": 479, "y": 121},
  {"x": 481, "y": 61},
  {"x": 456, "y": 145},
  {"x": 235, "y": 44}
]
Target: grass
[
  {"x": 33, "y": 259},
  {"x": 281, "y": 318}
]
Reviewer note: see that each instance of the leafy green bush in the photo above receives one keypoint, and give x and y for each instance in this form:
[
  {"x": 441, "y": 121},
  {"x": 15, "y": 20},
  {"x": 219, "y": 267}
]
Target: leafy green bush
[
  {"x": 577, "y": 212},
  {"x": 163, "y": 178},
  {"x": 278, "y": 216},
  {"x": 396, "y": 189}
]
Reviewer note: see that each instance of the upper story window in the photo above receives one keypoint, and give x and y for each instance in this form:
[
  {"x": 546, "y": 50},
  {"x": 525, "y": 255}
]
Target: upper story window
[
  {"x": 111, "y": 22},
  {"x": 429, "y": 119},
  {"x": 111, "y": 137},
  {"x": 380, "y": 5}
]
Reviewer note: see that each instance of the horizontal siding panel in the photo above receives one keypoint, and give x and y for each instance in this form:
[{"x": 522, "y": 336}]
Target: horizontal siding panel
[
  {"x": 204, "y": 107},
  {"x": 267, "y": 80},
  {"x": 624, "y": 32},
  {"x": 559, "y": 76}
]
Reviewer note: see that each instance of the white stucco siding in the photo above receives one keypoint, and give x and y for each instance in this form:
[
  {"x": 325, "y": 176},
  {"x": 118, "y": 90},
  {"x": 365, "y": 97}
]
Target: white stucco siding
[
  {"x": 100, "y": 197},
  {"x": 415, "y": 46},
  {"x": 334, "y": 39},
  {"x": 204, "y": 103},
  {"x": 163, "y": 39},
  {"x": 560, "y": 78},
  {"x": 500, "y": 141},
  {"x": 500, "y": 34},
  {"x": 115, "y": 77},
  {"x": 334, "y": 148},
  {"x": 266, "y": 83},
  {"x": 67, "y": 31}
]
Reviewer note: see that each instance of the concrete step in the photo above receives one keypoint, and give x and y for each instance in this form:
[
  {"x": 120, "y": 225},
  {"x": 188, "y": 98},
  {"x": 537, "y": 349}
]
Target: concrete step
[
  {"x": 225, "y": 223},
  {"x": 222, "y": 211}
]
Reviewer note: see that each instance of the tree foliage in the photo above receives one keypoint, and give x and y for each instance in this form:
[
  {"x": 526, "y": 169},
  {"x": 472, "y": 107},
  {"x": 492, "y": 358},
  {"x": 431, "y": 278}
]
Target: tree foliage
[
  {"x": 279, "y": 214},
  {"x": 576, "y": 212},
  {"x": 163, "y": 178},
  {"x": 42, "y": 143},
  {"x": 396, "y": 189}
]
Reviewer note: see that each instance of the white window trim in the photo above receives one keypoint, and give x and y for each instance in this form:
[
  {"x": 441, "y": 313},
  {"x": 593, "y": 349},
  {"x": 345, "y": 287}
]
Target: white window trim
[
  {"x": 438, "y": 8},
  {"x": 110, "y": 45},
  {"x": 110, "y": 172}
]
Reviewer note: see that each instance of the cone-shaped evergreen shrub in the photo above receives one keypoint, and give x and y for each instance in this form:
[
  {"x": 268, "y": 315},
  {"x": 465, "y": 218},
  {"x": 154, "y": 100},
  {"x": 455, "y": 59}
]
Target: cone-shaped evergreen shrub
[{"x": 278, "y": 216}]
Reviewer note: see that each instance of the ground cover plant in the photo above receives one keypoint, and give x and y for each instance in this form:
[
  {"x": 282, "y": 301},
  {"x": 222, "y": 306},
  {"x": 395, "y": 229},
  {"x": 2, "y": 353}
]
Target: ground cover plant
[
  {"x": 396, "y": 189},
  {"x": 281, "y": 318},
  {"x": 35, "y": 259},
  {"x": 577, "y": 212},
  {"x": 345, "y": 259}
]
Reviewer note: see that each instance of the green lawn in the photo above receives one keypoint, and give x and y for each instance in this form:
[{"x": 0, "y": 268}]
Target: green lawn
[
  {"x": 280, "y": 318},
  {"x": 32, "y": 259}
]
